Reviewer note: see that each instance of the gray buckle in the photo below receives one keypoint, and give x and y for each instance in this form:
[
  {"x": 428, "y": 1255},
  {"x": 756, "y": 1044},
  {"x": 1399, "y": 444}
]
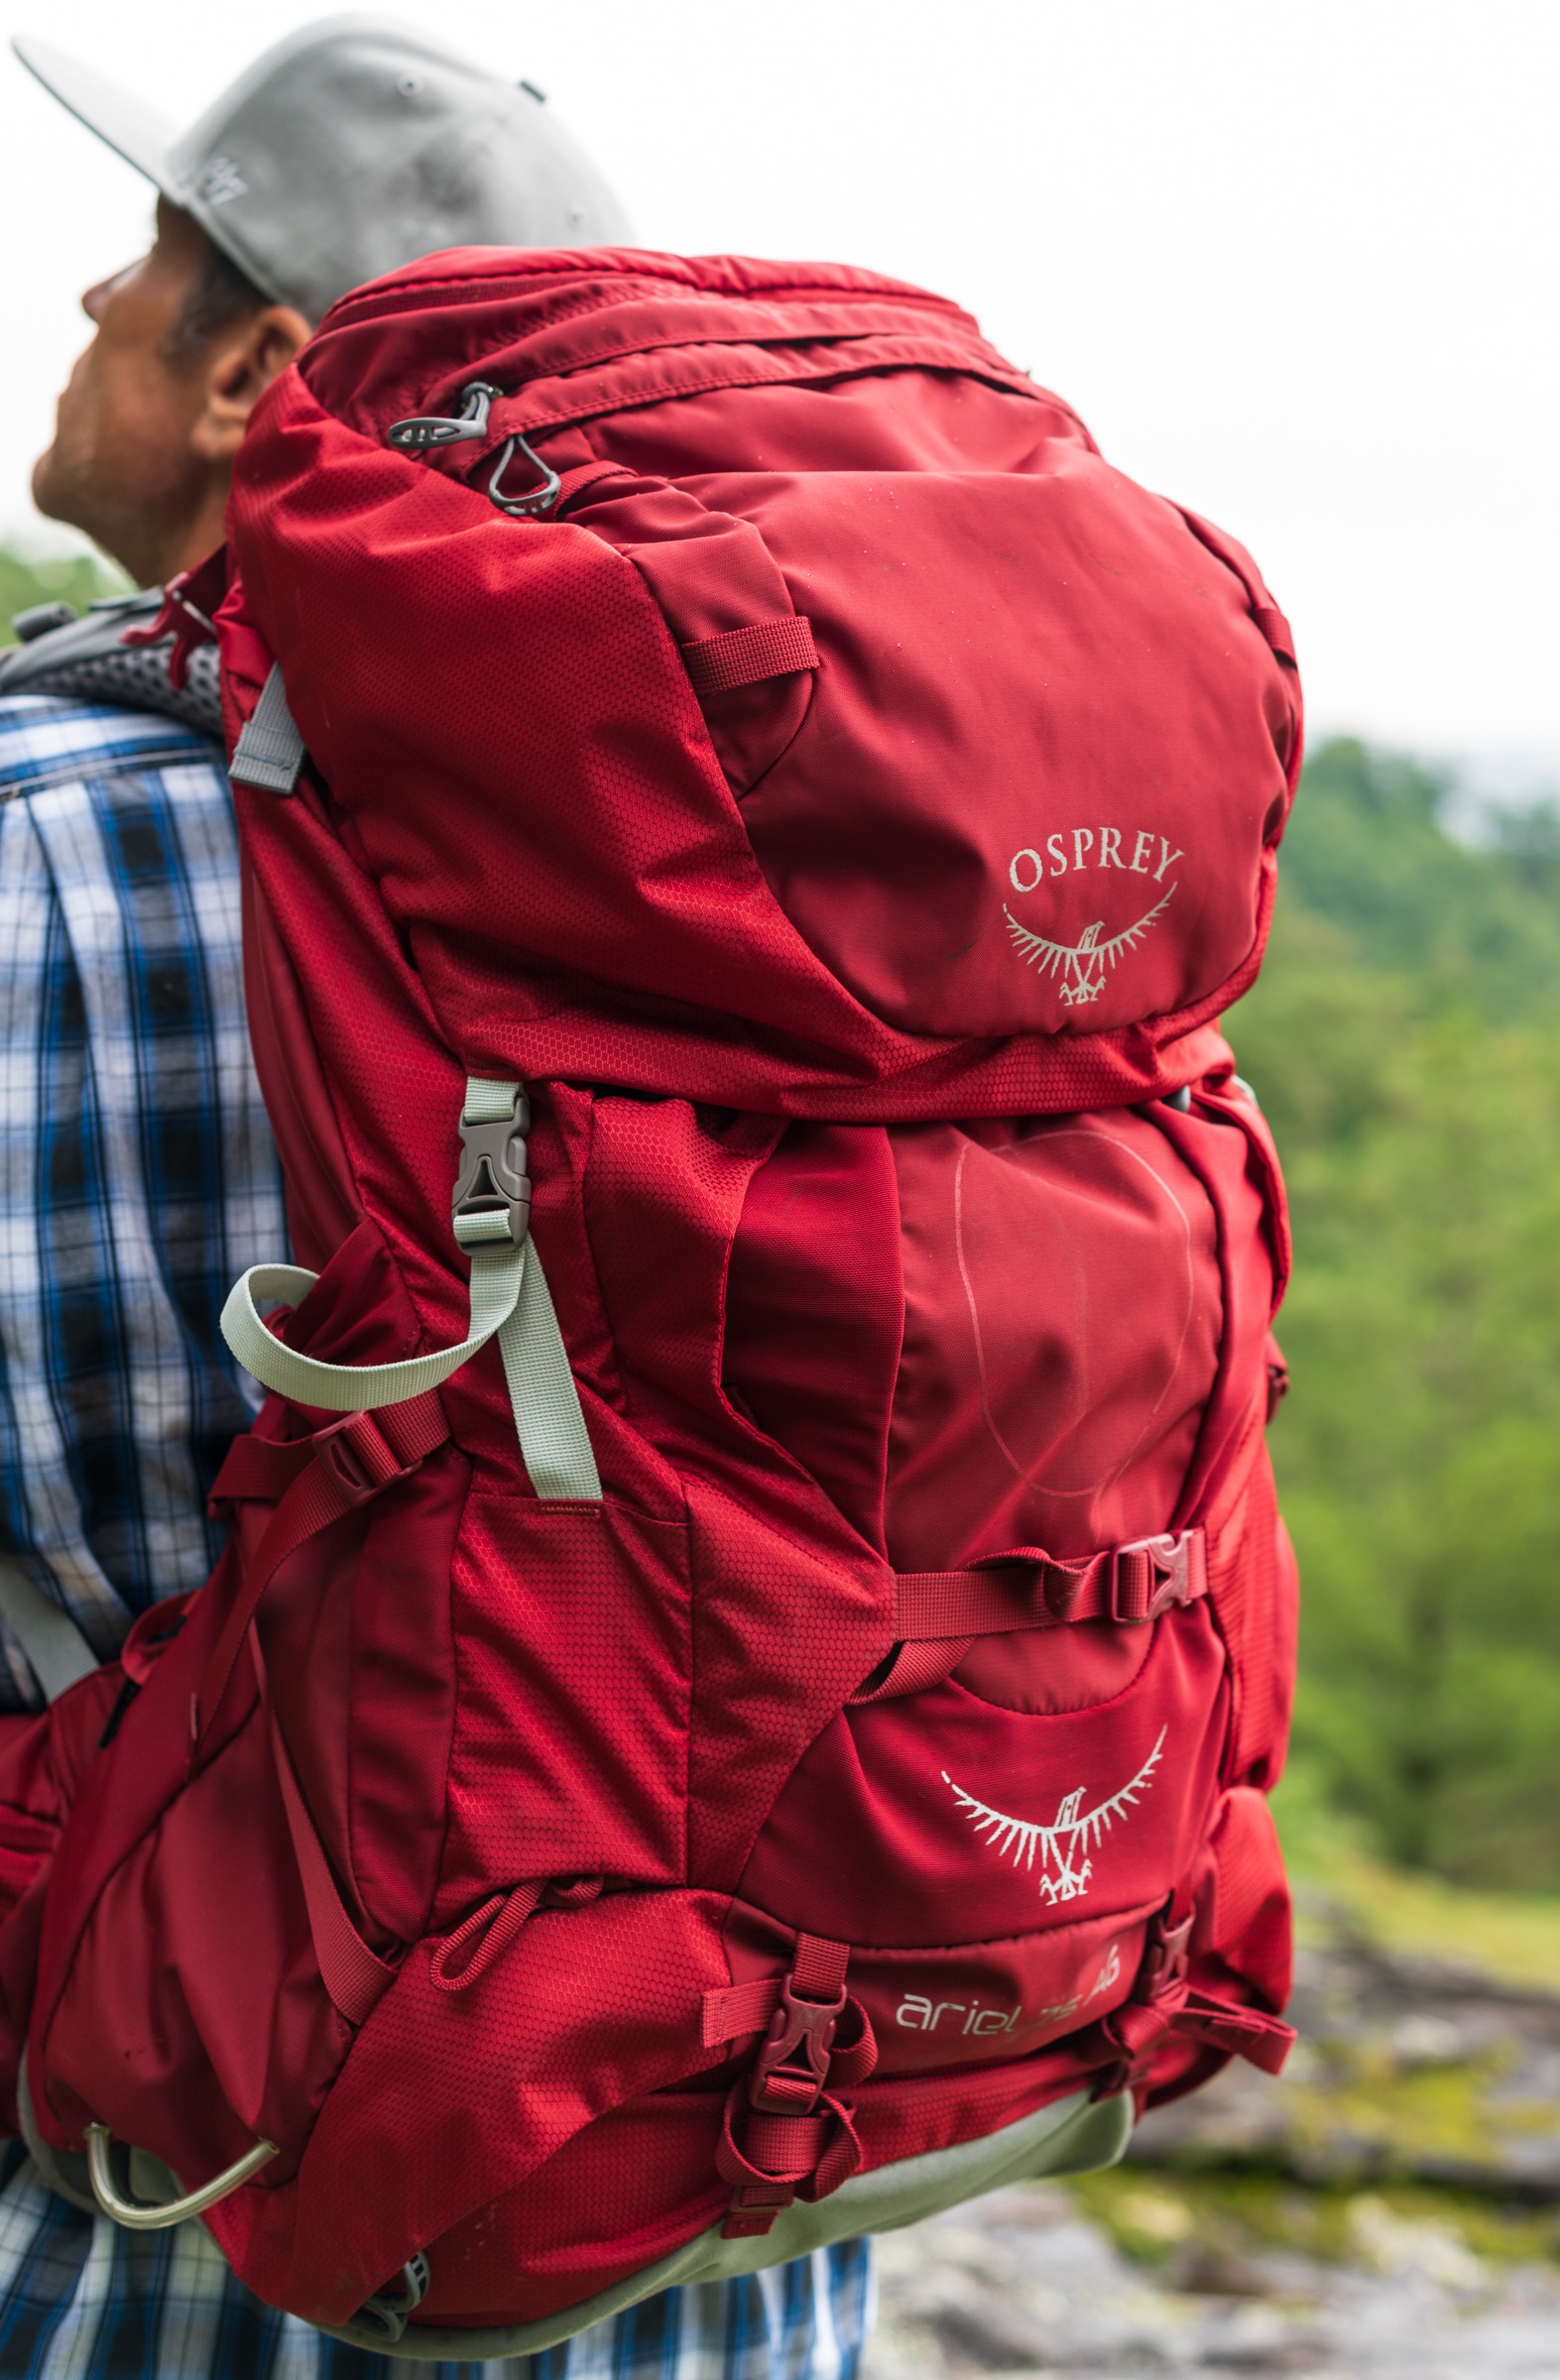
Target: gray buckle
[{"x": 491, "y": 1196}]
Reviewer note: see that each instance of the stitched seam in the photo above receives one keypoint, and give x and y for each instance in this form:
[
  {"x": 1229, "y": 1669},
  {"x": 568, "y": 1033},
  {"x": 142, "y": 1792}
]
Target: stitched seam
[{"x": 776, "y": 374}]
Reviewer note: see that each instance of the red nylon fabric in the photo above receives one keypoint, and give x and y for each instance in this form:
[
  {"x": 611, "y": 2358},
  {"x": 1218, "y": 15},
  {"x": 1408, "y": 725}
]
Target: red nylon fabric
[{"x": 846, "y": 1000}]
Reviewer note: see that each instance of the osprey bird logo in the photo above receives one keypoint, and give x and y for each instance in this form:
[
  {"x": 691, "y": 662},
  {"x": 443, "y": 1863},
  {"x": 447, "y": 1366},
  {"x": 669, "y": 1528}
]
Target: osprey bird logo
[
  {"x": 1063, "y": 1845},
  {"x": 1081, "y": 964}
]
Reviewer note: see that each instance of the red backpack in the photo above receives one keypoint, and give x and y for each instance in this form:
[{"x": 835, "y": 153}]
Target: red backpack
[{"x": 738, "y": 1706}]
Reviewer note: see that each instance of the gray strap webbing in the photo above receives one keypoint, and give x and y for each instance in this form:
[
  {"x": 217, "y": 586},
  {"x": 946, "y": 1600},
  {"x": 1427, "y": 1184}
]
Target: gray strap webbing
[
  {"x": 543, "y": 1397},
  {"x": 270, "y": 752},
  {"x": 55, "y": 1646},
  {"x": 509, "y": 1297},
  {"x": 496, "y": 1275}
]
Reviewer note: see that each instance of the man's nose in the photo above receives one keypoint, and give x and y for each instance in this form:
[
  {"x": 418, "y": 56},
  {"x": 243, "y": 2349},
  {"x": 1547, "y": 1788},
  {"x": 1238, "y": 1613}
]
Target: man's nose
[{"x": 94, "y": 299}]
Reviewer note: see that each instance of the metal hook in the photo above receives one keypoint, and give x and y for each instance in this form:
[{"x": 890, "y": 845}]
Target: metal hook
[
  {"x": 420, "y": 430},
  {"x": 525, "y": 507}
]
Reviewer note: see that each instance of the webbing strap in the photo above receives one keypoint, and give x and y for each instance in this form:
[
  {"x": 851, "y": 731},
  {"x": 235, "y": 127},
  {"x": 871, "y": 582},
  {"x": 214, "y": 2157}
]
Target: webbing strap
[
  {"x": 940, "y": 1614},
  {"x": 509, "y": 1297},
  {"x": 270, "y": 752},
  {"x": 785, "y": 2148},
  {"x": 361, "y": 1387},
  {"x": 917, "y": 1667},
  {"x": 1028, "y": 1589},
  {"x": 783, "y": 2131},
  {"x": 553, "y": 1441},
  {"x": 355, "y": 1977},
  {"x": 819, "y": 1967},
  {"x": 348, "y": 1463},
  {"x": 260, "y": 1470},
  {"x": 745, "y": 656},
  {"x": 737, "y": 2008},
  {"x": 466, "y": 1953}
]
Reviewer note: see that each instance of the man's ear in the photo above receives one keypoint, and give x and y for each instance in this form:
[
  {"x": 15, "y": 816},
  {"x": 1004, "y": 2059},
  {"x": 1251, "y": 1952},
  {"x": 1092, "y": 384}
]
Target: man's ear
[{"x": 242, "y": 363}]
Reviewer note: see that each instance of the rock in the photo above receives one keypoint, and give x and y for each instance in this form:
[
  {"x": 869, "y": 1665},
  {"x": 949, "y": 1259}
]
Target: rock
[
  {"x": 1405, "y": 2067},
  {"x": 1385, "y": 2241},
  {"x": 1020, "y": 2283},
  {"x": 1210, "y": 2268},
  {"x": 997, "y": 2335}
]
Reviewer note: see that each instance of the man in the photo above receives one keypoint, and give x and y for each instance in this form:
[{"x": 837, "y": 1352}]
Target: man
[{"x": 140, "y": 1178}]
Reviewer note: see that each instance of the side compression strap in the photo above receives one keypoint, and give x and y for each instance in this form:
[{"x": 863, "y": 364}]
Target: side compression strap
[
  {"x": 496, "y": 1274},
  {"x": 509, "y": 1297}
]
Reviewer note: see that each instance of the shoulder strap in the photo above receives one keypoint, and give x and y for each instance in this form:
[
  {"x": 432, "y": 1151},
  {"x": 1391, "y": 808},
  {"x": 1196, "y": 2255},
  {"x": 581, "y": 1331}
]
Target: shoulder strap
[
  {"x": 56, "y": 1651},
  {"x": 86, "y": 660}
]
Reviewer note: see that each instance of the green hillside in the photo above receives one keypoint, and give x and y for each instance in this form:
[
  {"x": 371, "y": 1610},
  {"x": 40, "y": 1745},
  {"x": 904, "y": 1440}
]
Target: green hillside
[{"x": 1406, "y": 1044}]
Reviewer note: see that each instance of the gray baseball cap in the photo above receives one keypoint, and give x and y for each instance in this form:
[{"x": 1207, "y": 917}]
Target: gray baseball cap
[{"x": 351, "y": 147}]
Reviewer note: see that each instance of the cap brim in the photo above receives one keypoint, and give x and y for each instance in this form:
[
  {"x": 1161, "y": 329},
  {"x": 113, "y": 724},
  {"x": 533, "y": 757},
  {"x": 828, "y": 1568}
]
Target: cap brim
[{"x": 143, "y": 138}]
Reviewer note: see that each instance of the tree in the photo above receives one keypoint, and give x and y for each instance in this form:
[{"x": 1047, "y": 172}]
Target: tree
[
  {"x": 79, "y": 580},
  {"x": 1403, "y": 1040}
]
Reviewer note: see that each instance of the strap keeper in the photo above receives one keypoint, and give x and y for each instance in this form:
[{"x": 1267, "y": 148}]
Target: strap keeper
[{"x": 358, "y": 1455}]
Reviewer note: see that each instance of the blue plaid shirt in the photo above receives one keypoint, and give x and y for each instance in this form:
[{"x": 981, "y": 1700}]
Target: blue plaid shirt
[{"x": 136, "y": 1180}]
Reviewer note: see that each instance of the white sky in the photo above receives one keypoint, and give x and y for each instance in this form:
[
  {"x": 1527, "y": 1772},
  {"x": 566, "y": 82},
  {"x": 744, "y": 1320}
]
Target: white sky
[{"x": 1294, "y": 265}]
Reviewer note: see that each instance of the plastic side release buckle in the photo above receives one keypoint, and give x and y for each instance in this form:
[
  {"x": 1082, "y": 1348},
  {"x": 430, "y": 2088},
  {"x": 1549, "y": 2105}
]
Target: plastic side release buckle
[
  {"x": 1138, "y": 2028},
  {"x": 1165, "y": 1957},
  {"x": 1152, "y": 1575},
  {"x": 793, "y": 2063},
  {"x": 491, "y": 1196}
]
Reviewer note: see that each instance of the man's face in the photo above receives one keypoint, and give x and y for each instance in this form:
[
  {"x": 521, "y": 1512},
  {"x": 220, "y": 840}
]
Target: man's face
[{"x": 122, "y": 466}]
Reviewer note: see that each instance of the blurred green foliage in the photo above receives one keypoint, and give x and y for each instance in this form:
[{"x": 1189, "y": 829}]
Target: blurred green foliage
[
  {"x": 77, "y": 579},
  {"x": 1404, "y": 1040}
]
